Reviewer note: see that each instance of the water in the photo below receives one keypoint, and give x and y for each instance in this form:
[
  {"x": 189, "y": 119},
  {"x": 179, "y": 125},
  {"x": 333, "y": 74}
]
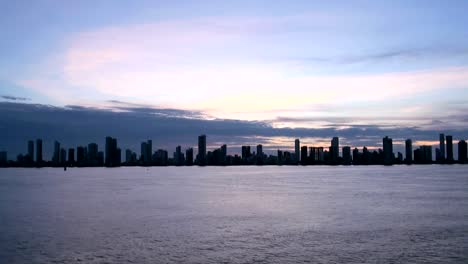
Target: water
[{"x": 375, "y": 214}]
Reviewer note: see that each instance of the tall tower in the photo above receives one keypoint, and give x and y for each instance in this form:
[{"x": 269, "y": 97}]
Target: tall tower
[
  {"x": 297, "y": 149},
  {"x": 442, "y": 146},
  {"x": 449, "y": 141},
  {"x": 31, "y": 150},
  {"x": 39, "y": 150},
  {"x": 335, "y": 149},
  {"x": 409, "y": 151},
  {"x": 388, "y": 150},
  {"x": 462, "y": 151},
  {"x": 202, "y": 150}
]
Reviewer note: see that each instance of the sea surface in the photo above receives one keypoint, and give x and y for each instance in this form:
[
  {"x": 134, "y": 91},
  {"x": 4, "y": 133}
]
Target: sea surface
[{"x": 289, "y": 214}]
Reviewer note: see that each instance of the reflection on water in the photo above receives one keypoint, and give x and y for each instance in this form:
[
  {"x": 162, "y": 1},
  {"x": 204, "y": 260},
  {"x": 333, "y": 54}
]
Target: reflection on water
[{"x": 372, "y": 214}]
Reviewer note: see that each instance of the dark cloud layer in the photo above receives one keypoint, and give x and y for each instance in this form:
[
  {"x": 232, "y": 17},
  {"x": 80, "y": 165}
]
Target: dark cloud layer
[
  {"x": 77, "y": 125},
  {"x": 14, "y": 98}
]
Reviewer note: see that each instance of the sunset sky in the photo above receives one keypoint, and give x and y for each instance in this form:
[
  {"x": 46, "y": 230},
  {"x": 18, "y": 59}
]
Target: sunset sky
[{"x": 288, "y": 64}]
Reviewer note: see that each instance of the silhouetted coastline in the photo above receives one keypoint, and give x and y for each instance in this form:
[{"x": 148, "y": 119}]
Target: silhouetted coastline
[{"x": 90, "y": 156}]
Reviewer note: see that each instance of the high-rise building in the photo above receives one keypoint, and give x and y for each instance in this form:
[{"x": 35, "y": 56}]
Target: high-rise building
[
  {"x": 56, "y": 156},
  {"x": 92, "y": 156},
  {"x": 260, "y": 150},
  {"x": 128, "y": 156},
  {"x": 245, "y": 152},
  {"x": 31, "y": 150},
  {"x": 38, "y": 150},
  {"x": 347, "y": 155},
  {"x": 304, "y": 155},
  {"x": 356, "y": 156},
  {"x": 113, "y": 156},
  {"x": 297, "y": 147},
  {"x": 280, "y": 157},
  {"x": 409, "y": 151},
  {"x": 449, "y": 143},
  {"x": 80, "y": 156},
  {"x": 3, "y": 157},
  {"x": 143, "y": 152},
  {"x": 178, "y": 156},
  {"x": 149, "y": 151},
  {"x": 388, "y": 150},
  {"x": 189, "y": 157},
  {"x": 224, "y": 153},
  {"x": 201, "y": 158},
  {"x": 335, "y": 150},
  {"x": 63, "y": 156},
  {"x": 442, "y": 147},
  {"x": 426, "y": 152},
  {"x": 462, "y": 151},
  {"x": 71, "y": 156}
]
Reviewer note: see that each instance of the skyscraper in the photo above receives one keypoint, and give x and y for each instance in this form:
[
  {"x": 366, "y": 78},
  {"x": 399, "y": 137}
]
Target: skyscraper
[
  {"x": 143, "y": 152},
  {"x": 388, "y": 150},
  {"x": 449, "y": 143},
  {"x": 189, "y": 157},
  {"x": 93, "y": 154},
  {"x": 259, "y": 150},
  {"x": 224, "y": 153},
  {"x": 63, "y": 156},
  {"x": 201, "y": 150},
  {"x": 3, "y": 157},
  {"x": 335, "y": 149},
  {"x": 56, "y": 157},
  {"x": 112, "y": 157},
  {"x": 297, "y": 147},
  {"x": 347, "y": 155},
  {"x": 409, "y": 151},
  {"x": 462, "y": 151},
  {"x": 149, "y": 151},
  {"x": 442, "y": 147},
  {"x": 38, "y": 150},
  {"x": 304, "y": 155},
  {"x": 71, "y": 156},
  {"x": 178, "y": 156},
  {"x": 80, "y": 156},
  {"x": 31, "y": 150},
  {"x": 245, "y": 152}
]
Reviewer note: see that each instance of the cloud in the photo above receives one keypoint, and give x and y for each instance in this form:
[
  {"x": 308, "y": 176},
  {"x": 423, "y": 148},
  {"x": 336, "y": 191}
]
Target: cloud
[
  {"x": 216, "y": 65},
  {"x": 14, "y": 98}
]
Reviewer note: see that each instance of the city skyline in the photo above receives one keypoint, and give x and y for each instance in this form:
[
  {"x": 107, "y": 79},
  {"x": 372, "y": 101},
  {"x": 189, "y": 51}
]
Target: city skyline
[{"x": 112, "y": 154}]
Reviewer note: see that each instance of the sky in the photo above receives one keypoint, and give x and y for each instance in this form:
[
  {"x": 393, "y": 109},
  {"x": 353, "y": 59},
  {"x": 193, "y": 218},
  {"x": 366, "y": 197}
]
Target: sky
[{"x": 287, "y": 65}]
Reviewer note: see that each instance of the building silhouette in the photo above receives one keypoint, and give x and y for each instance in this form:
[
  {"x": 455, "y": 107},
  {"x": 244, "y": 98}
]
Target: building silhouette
[
  {"x": 56, "y": 156},
  {"x": 39, "y": 151},
  {"x": 3, "y": 158},
  {"x": 449, "y": 143},
  {"x": 31, "y": 151},
  {"x": 89, "y": 155},
  {"x": 462, "y": 151},
  {"x": 297, "y": 147},
  {"x": 304, "y": 158},
  {"x": 334, "y": 150},
  {"x": 441, "y": 157},
  {"x": 388, "y": 150},
  {"x": 113, "y": 153},
  {"x": 201, "y": 157},
  {"x": 189, "y": 157},
  {"x": 408, "y": 151},
  {"x": 347, "y": 160},
  {"x": 71, "y": 157}
]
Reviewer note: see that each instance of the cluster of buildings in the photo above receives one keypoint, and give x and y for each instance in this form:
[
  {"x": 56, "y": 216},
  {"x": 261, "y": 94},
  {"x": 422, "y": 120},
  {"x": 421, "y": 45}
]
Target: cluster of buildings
[{"x": 91, "y": 156}]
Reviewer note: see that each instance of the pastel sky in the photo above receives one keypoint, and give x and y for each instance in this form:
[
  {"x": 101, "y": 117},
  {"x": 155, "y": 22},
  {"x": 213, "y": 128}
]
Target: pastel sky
[{"x": 289, "y": 63}]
